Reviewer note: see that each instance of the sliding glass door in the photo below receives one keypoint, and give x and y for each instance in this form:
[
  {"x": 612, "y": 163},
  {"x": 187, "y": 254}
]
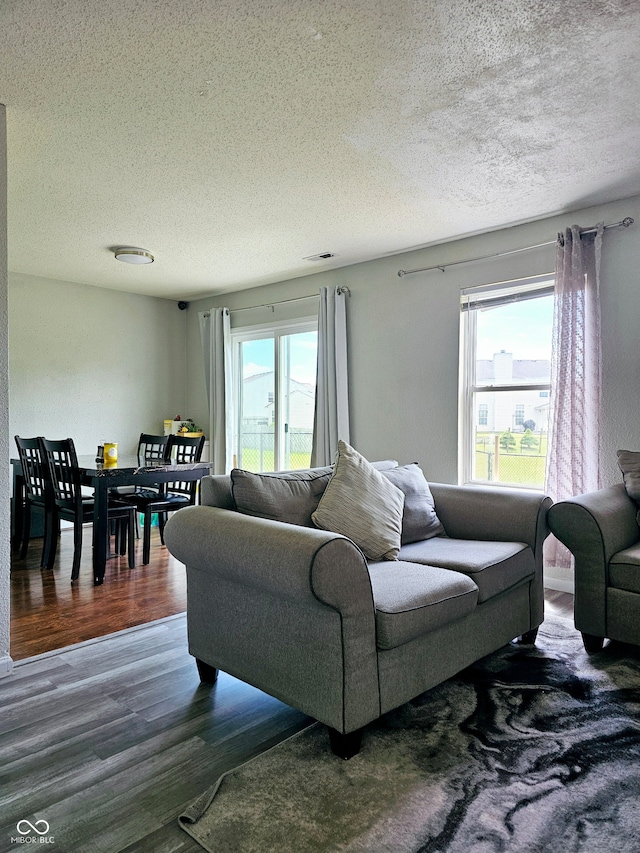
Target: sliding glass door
[{"x": 275, "y": 371}]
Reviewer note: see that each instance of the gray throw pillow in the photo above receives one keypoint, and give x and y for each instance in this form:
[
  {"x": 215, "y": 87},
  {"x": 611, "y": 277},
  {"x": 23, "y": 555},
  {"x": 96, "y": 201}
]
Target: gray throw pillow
[
  {"x": 629, "y": 464},
  {"x": 289, "y": 496},
  {"x": 362, "y": 504},
  {"x": 419, "y": 520},
  {"x": 383, "y": 465}
]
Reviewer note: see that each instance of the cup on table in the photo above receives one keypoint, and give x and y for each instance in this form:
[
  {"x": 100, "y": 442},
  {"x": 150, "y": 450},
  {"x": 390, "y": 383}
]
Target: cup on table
[{"x": 110, "y": 452}]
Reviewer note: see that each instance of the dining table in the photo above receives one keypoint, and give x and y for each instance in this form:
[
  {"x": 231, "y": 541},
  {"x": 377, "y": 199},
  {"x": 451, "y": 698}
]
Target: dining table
[{"x": 101, "y": 476}]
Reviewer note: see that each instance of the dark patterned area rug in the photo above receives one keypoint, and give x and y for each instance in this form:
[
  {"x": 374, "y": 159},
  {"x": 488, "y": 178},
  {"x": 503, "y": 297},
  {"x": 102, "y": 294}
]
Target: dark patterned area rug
[{"x": 532, "y": 749}]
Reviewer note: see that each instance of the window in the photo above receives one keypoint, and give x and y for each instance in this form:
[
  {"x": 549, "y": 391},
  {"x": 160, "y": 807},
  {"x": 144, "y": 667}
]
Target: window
[
  {"x": 505, "y": 381},
  {"x": 275, "y": 377}
]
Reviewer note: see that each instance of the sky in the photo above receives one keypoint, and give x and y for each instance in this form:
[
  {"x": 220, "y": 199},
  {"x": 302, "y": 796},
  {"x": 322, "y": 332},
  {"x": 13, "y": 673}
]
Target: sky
[
  {"x": 258, "y": 356},
  {"x": 522, "y": 328}
]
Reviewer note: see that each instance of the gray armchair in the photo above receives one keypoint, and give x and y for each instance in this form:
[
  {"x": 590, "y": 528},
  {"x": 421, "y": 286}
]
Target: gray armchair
[{"x": 601, "y": 530}]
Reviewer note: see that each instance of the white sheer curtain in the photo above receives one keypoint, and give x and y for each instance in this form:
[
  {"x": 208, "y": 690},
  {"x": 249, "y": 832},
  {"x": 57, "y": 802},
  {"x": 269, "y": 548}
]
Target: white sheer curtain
[
  {"x": 573, "y": 458},
  {"x": 215, "y": 333},
  {"x": 331, "y": 421}
]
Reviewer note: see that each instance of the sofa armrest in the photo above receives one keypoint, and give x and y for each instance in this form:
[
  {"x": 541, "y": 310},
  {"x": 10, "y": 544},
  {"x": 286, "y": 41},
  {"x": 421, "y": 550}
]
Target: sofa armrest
[
  {"x": 288, "y": 609},
  {"x": 285, "y": 560},
  {"x": 493, "y": 513},
  {"x": 602, "y": 521},
  {"x": 594, "y": 527}
]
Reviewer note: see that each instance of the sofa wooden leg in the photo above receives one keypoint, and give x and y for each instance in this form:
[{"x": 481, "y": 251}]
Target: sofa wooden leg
[
  {"x": 592, "y": 644},
  {"x": 345, "y": 745},
  {"x": 529, "y": 638},
  {"x": 206, "y": 672}
]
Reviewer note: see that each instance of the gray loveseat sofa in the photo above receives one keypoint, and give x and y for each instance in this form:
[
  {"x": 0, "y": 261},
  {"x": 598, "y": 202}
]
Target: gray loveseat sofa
[{"x": 300, "y": 612}]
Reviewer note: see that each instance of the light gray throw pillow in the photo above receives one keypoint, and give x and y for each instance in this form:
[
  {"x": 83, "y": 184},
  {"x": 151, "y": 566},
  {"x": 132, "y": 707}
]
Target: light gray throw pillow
[
  {"x": 629, "y": 464},
  {"x": 419, "y": 520},
  {"x": 362, "y": 504},
  {"x": 289, "y": 496}
]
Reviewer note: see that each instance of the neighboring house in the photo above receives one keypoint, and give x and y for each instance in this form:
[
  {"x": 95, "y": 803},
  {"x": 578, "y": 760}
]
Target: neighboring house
[
  {"x": 257, "y": 395},
  {"x": 258, "y": 402},
  {"x": 508, "y": 410},
  {"x": 257, "y": 437}
]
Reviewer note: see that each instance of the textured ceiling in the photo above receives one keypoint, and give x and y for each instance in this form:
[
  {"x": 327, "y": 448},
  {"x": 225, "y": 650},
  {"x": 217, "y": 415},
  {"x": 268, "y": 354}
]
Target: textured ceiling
[{"x": 233, "y": 138}]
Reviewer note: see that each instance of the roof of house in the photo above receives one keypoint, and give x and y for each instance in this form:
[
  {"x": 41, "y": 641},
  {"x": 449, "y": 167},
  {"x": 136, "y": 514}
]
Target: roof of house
[{"x": 525, "y": 370}]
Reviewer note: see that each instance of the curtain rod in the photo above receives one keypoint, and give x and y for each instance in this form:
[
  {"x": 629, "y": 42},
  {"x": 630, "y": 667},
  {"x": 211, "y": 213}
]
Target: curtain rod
[
  {"x": 625, "y": 223},
  {"x": 343, "y": 289}
]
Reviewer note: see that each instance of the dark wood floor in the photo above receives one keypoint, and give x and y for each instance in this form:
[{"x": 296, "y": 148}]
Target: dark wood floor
[
  {"x": 558, "y": 603},
  {"x": 108, "y": 741},
  {"x": 47, "y": 612}
]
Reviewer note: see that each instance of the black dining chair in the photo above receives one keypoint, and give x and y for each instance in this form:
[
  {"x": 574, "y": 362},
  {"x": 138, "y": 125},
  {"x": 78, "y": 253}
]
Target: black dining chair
[
  {"x": 38, "y": 492},
  {"x": 168, "y": 497},
  {"x": 151, "y": 450},
  {"x": 72, "y": 505}
]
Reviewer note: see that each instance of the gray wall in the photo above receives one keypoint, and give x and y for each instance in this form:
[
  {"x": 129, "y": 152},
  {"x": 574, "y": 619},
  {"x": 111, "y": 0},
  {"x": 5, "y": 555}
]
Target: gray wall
[
  {"x": 404, "y": 336},
  {"x": 5, "y": 564},
  {"x": 93, "y": 364}
]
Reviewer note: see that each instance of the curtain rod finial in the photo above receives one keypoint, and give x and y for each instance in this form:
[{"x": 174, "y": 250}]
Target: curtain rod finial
[{"x": 627, "y": 221}]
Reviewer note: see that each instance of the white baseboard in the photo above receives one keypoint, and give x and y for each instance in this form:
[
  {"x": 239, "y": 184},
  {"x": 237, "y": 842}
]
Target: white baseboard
[
  {"x": 559, "y": 585},
  {"x": 6, "y": 665},
  {"x": 559, "y": 579}
]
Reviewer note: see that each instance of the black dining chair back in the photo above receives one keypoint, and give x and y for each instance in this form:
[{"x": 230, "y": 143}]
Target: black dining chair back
[
  {"x": 72, "y": 505},
  {"x": 37, "y": 492},
  {"x": 183, "y": 449},
  {"x": 64, "y": 473},
  {"x": 152, "y": 448}
]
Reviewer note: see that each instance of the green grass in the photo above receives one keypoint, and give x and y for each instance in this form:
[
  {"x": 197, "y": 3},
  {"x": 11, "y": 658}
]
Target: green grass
[
  {"x": 517, "y": 466},
  {"x": 251, "y": 460}
]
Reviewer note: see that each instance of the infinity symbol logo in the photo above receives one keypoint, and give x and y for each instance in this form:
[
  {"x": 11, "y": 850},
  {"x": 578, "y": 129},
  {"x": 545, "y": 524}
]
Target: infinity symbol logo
[{"x": 32, "y": 827}]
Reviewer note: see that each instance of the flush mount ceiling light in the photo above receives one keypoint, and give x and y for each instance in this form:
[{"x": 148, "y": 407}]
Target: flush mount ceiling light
[{"x": 131, "y": 255}]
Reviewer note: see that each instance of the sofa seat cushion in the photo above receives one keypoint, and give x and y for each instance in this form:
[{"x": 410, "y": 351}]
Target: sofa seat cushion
[
  {"x": 624, "y": 569},
  {"x": 493, "y": 566},
  {"x": 411, "y": 600}
]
